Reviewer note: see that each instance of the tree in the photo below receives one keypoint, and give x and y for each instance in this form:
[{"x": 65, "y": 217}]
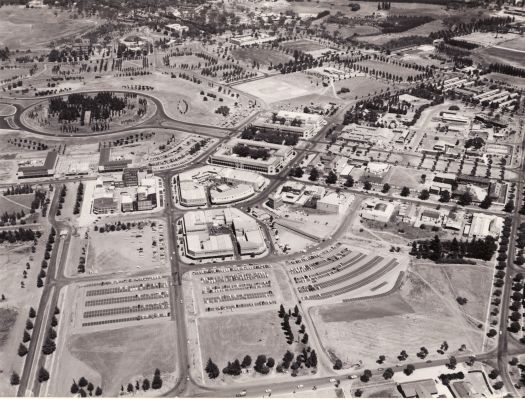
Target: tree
[
  {"x": 82, "y": 382},
  {"x": 211, "y": 369},
  {"x": 22, "y": 350},
  {"x": 157, "y": 381},
  {"x": 297, "y": 172},
  {"x": 452, "y": 362},
  {"x": 409, "y": 369},
  {"x": 388, "y": 373},
  {"x": 15, "y": 379},
  {"x": 98, "y": 391},
  {"x": 29, "y": 325},
  {"x": 246, "y": 362},
  {"x": 465, "y": 199},
  {"x": 281, "y": 312},
  {"x": 314, "y": 175},
  {"x": 313, "y": 359},
  {"x": 26, "y": 337},
  {"x": 405, "y": 192},
  {"x": 367, "y": 185},
  {"x": 32, "y": 313},
  {"x": 338, "y": 364},
  {"x": 509, "y": 206},
  {"x": 486, "y": 203},
  {"x": 349, "y": 181},
  {"x": 331, "y": 178},
  {"x": 43, "y": 375},
  {"x": 381, "y": 359},
  {"x": 270, "y": 362},
  {"x": 444, "y": 196},
  {"x": 260, "y": 365},
  {"x": 130, "y": 387},
  {"x": 49, "y": 346},
  {"x": 386, "y": 188},
  {"x": 74, "y": 388},
  {"x": 358, "y": 393},
  {"x": 424, "y": 195},
  {"x": 90, "y": 388}
]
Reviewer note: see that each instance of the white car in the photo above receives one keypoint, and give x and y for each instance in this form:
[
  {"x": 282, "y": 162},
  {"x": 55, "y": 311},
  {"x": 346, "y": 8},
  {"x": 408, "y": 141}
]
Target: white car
[
  {"x": 300, "y": 386},
  {"x": 332, "y": 380},
  {"x": 268, "y": 390}
]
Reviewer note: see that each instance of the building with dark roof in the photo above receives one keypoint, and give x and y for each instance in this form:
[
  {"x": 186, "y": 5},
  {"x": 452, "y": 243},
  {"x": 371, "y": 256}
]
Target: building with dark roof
[
  {"x": 47, "y": 169},
  {"x": 106, "y": 164}
]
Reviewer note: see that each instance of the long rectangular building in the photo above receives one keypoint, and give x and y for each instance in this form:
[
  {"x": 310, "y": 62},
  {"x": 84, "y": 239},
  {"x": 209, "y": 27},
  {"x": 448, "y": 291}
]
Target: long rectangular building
[{"x": 47, "y": 169}]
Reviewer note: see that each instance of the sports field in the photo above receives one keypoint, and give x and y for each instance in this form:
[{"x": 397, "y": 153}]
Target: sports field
[
  {"x": 260, "y": 55},
  {"x": 361, "y": 86}
]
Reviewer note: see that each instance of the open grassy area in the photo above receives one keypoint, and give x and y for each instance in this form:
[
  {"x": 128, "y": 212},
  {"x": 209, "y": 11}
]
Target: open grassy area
[
  {"x": 118, "y": 358},
  {"x": 27, "y": 28},
  {"x": 227, "y": 338},
  {"x": 501, "y": 55},
  {"x": 303, "y": 45},
  {"x": 417, "y": 315},
  {"x": 260, "y": 55},
  {"x": 7, "y": 109},
  {"x": 389, "y": 68},
  {"x": 361, "y": 86},
  {"x": 422, "y": 30},
  {"x": 7, "y": 320}
]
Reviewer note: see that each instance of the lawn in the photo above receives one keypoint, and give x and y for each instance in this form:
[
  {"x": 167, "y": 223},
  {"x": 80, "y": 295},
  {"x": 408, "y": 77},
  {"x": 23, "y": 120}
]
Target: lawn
[
  {"x": 16, "y": 203},
  {"x": 27, "y": 28},
  {"x": 124, "y": 355},
  {"x": 303, "y": 45},
  {"x": 500, "y": 55},
  {"x": 7, "y": 109},
  {"x": 422, "y": 30}
]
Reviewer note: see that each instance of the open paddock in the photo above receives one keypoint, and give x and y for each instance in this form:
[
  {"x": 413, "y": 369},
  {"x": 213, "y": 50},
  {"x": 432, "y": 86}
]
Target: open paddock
[
  {"x": 501, "y": 55},
  {"x": 303, "y": 45},
  {"x": 361, "y": 86}
]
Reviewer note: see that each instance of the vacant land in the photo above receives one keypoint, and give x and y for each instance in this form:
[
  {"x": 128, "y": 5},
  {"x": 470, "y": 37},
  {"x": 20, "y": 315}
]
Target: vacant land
[
  {"x": 303, "y": 45},
  {"x": 28, "y": 28},
  {"x": 403, "y": 177},
  {"x": 125, "y": 250},
  {"x": 117, "y": 358},
  {"x": 422, "y": 30},
  {"x": 227, "y": 338},
  {"x": 418, "y": 315}
]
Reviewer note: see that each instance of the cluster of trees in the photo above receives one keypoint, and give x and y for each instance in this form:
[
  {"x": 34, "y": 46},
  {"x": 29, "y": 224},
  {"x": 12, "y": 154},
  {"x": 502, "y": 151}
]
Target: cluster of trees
[
  {"x": 19, "y": 189},
  {"x": 20, "y": 235},
  {"x": 453, "y": 251},
  {"x": 447, "y": 378},
  {"x": 507, "y": 70},
  {"x": 22, "y": 348},
  {"x": 49, "y": 345},
  {"x": 102, "y": 106},
  {"x": 401, "y": 23},
  {"x": 247, "y": 151},
  {"x": 197, "y": 146},
  {"x": 80, "y": 197},
  {"x": 490, "y": 24},
  {"x": 47, "y": 255},
  {"x": 274, "y": 137},
  {"x": 83, "y": 385},
  {"x": 40, "y": 201},
  {"x": 61, "y": 199},
  {"x": 145, "y": 385},
  {"x": 11, "y": 218},
  {"x": 475, "y": 142}
]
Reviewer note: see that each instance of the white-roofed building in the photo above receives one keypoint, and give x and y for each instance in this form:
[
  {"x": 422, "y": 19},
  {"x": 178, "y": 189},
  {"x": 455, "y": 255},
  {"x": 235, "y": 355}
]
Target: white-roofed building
[
  {"x": 335, "y": 203},
  {"x": 374, "y": 209},
  {"x": 225, "y": 194},
  {"x": 483, "y": 225}
]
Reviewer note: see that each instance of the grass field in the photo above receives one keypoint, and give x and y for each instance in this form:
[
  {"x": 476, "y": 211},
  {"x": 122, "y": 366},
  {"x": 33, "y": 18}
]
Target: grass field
[
  {"x": 404, "y": 177},
  {"x": 360, "y": 86},
  {"x": 118, "y": 358},
  {"x": 260, "y": 55},
  {"x": 500, "y": 55},
  {"x": 227, "y": 338},
  {"x": 418, "y": 315},
  {"x": 422, "y": 30},
  {"x": 389, "y": 68},
  {"x": 27, "y": 28},
  {"x": 16, "y": 203},
  {"x": 515, "y": 44},
  {"x": 349, "y": 31},
  {"x": 7, "y": 320},
  {"x": 303, "y": 45}
]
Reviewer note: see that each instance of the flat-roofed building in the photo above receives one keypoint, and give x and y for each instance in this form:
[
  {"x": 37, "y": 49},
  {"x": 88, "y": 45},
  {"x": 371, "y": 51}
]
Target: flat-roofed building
[
  {"x": 192, "y": 194},
  {"x": 304, "y": 125},
  {"x": 104, "y": 205},
  {"x": 484, "y": 225},
  {"x": 278, "y": 156},
  {"x": 108, "y": 164},
  {"x": 216, "y": 233},
  {"x": 46, "y": 169},
  {"x": 335, "y": 203},
  {"x": 377, "y": 210},
  {"x": 449, "y": 117},
  {"x": 225, "y": 194},
  {"x": 419, "y": 389},
  {"x": 248, "y": 40}
]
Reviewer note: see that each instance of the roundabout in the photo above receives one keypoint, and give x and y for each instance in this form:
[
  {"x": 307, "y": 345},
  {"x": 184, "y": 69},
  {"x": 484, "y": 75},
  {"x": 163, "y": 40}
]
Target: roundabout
[{"x": 88, "y": 113}]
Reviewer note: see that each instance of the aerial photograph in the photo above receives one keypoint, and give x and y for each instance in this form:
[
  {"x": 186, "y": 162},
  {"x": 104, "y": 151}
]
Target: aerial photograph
[{"x": 262, "y": 198}]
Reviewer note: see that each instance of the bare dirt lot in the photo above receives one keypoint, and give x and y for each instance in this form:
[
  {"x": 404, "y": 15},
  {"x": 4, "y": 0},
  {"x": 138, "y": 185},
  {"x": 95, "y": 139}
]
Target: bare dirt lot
[{"x": 27, "y": 28}]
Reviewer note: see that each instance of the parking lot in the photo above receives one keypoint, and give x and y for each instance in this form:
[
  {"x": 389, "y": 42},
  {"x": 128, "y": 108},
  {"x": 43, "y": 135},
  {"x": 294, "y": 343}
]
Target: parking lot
[
  {"x": 116, "y": 303},
  {"x": 235, "y": 288}
]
